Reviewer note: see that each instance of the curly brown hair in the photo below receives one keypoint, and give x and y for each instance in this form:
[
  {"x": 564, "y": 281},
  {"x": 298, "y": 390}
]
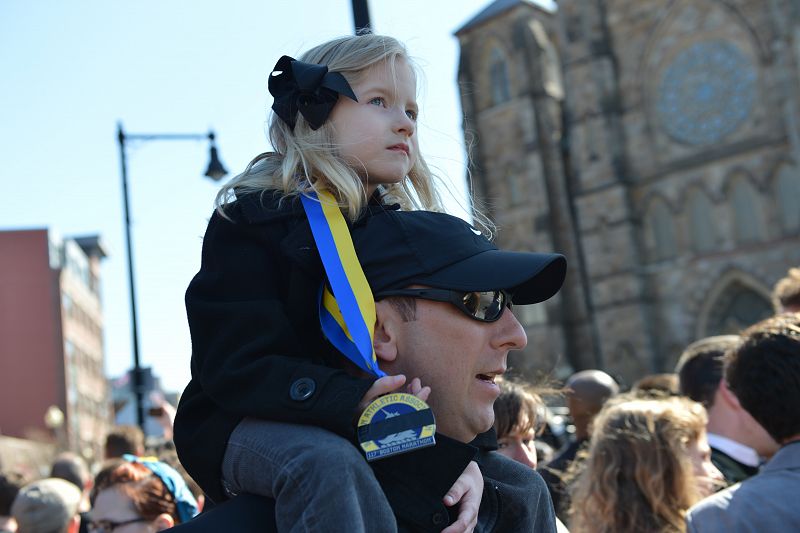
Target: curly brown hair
[{"x": 637, "y": 475}]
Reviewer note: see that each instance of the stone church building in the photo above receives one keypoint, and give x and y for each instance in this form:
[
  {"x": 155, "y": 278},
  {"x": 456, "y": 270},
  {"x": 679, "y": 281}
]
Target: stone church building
[{"x": 656, "y": 144}]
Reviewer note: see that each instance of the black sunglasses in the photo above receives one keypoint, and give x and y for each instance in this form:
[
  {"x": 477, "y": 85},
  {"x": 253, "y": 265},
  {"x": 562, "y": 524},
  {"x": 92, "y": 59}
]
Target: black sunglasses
[
  {"x": 484, "y": 306},
  {"x": 107, "y": 526}
]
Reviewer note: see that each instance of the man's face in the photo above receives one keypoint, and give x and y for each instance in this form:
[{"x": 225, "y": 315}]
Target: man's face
[{"x": 458, "y": 358}]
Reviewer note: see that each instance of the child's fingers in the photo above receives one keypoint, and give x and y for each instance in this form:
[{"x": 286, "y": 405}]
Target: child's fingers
[
  {"x": 416, "y": 388},
  {"x": 380, "y": 387},
  {"x": 466, "y": 491},
  {"x": 423, "y": 393}
]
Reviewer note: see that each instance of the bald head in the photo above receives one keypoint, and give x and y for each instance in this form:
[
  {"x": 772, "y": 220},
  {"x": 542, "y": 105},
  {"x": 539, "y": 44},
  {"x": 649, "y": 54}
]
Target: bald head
[
  {"x": 587, "y": 391},
  {"x": 592, "y": 387}
]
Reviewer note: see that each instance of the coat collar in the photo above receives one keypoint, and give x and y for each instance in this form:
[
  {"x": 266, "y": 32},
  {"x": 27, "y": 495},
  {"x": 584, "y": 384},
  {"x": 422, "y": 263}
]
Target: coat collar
[{"x": 787, "y": 457}]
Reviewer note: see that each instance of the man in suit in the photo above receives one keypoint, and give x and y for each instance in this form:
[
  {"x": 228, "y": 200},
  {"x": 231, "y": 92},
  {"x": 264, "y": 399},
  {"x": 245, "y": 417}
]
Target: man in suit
[
  {"x": 763, "y": 371},
  {"x": 737, "y": 441}
]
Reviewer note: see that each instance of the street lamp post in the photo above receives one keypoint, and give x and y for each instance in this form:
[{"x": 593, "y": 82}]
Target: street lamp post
[
  {"x": 361, "y": 16},
  {"x": 215, "y": 171}
]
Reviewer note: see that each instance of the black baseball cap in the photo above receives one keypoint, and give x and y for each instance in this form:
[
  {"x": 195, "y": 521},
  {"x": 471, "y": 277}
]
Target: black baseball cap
[{"x": 401, "y": 248}]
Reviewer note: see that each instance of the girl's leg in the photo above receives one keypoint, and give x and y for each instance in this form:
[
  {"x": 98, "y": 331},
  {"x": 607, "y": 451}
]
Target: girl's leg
[{"x": 319, "y": 480}]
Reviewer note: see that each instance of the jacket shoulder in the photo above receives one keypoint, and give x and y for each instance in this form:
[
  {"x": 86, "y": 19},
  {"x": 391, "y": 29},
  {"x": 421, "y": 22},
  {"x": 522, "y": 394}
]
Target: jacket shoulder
[{"x": 263, "y": 207}]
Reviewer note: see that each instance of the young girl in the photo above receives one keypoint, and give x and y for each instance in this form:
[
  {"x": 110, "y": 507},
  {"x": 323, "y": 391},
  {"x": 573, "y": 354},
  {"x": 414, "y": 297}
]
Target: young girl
[{"x": 271, "y": 406}]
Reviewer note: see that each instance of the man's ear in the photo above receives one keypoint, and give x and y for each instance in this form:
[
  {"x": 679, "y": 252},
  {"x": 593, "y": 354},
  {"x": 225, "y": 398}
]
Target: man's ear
[
  {"x": 74, "y": 524},
  {"x": 386, "y": 322}
]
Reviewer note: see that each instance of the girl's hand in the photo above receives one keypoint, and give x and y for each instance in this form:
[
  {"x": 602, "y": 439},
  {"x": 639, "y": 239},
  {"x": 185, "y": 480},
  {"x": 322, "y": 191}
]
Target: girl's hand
[
  {"x": 388, "y": 384},
  {"x": 468, "y": 489}
]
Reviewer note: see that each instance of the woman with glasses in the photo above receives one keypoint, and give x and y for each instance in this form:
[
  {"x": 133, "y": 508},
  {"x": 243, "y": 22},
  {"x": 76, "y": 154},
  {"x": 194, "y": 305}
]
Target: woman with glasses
[{"x": 136, "y": 495}]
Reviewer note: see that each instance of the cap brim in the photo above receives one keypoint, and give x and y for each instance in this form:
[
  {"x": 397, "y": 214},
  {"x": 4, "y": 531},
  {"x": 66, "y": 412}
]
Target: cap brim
[{"x": 530, "y": 277}]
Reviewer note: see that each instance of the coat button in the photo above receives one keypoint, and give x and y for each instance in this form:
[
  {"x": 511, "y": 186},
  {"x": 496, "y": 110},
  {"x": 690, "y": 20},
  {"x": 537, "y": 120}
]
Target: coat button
[
  {"x": 302, "y": 389},
  {"x": 439, "y": 519}
]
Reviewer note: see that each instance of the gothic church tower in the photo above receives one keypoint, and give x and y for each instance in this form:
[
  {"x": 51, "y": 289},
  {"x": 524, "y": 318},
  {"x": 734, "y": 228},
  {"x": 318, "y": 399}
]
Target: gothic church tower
[{"x": 656, "y": 144}]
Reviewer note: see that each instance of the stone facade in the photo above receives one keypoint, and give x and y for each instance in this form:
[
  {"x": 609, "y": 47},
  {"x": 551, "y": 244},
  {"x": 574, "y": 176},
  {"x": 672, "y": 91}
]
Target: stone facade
[{"x": 656, "y": 145}]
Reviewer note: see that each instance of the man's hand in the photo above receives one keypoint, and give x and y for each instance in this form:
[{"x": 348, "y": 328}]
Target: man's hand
[
  {"x": 468, "y": 490},
  {"x": 388, "y": 384}
]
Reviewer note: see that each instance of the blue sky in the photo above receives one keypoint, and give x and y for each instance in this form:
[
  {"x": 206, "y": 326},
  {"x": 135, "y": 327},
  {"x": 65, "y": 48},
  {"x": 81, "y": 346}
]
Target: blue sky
[{"x": 71, "y": 69}]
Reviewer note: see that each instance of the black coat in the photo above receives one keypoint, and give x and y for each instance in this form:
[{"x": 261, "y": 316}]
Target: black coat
[
  {"x": 252, "y": 311},
  {"x": 253, "y": 317}
]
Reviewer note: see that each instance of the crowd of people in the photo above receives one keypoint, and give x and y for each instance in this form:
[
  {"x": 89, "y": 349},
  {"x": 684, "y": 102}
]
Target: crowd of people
[
  {"x": 709, "y": 447},
  {"x": 130, "y": 493},
  {"x": 349, "y": 342}
]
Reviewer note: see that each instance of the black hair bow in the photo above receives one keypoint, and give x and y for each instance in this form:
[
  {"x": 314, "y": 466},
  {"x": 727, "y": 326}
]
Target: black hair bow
[{"x": 307, "y": 88}]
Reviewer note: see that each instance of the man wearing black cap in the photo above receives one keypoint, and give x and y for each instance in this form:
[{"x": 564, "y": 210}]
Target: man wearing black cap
[
  {"x": 443, "y": 295},
  {"x": 444, "y": 314}
]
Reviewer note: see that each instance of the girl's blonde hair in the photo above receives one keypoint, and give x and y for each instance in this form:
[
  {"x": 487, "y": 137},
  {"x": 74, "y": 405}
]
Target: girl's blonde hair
[
  {"x": 638, "y": 476},
  {"x": 305, "y": 159}
]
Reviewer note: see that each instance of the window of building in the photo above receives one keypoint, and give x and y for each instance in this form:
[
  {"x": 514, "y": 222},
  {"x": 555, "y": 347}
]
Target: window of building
[
  {"x": 737, "y": 307},
  {"x": 498, "y": 77},
  {"x": 748, "y": 219},
  {"x": 701, "y": 224},
  {"x": 787, "y": 190},
  {"x": 660, "y": 231},
  {"x": 66, "y": 304}
]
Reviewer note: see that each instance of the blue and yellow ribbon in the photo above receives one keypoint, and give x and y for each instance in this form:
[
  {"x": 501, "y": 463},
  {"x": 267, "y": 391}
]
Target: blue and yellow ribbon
[{"x": 347, "y": 314}]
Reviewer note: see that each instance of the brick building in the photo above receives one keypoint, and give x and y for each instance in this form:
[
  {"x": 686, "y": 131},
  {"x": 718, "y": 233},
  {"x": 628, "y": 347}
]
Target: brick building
[
  {"x": 51, "y": 333},
  {"x": 657, "y": 145}
]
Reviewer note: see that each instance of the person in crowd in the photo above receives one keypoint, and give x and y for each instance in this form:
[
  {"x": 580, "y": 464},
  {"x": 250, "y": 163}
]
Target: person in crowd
[
  {"x": 544, "y": 452},
  {"x": 141, "y": 495},
  {"x": 265, "y": 381},
  {"x": 47, "y": 506},
  {"x": 124, "y": 439},
  {"x": 647, "y": 462},
  {"x": 786, "y": 293},
  {"x": 763, "y": 372},
  {"x": 516, "y": 422},
  {"x": 665, "y": 384},
  {"x": 430, "y": 274},
  {"x": 518, "y": 413},
  {"x": 10, "y": 483},
  {"x": 586, "y": 392},
  {"x": 171, "y": 458},
  {"x": 737, "y": 441},
  {"x": 71, "y": 467}
]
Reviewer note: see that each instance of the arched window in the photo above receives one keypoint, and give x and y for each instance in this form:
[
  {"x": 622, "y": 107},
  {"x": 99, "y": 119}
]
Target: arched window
[
  {"x": 787, "y": 189},
  {"x": 498, "y": 77},
  {"x": 660, "y": 231},
  {"x": 748, "y": 219},
  {"x": 701, "y": 223},
  {"x": 736, "y": 307}
]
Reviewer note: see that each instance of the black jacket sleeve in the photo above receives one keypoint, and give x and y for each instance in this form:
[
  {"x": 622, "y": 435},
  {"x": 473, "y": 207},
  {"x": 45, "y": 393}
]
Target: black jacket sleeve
[{"x": 255, "y": 332}]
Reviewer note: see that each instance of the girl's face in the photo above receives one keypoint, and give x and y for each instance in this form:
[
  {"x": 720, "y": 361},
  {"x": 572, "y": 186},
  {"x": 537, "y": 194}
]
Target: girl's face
[
  {"x": 377, "y": 135},
  {"x": 113, "y": 512},
  {"x": 519, "y": 447},
  {"x": 708, "y": 477}
]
